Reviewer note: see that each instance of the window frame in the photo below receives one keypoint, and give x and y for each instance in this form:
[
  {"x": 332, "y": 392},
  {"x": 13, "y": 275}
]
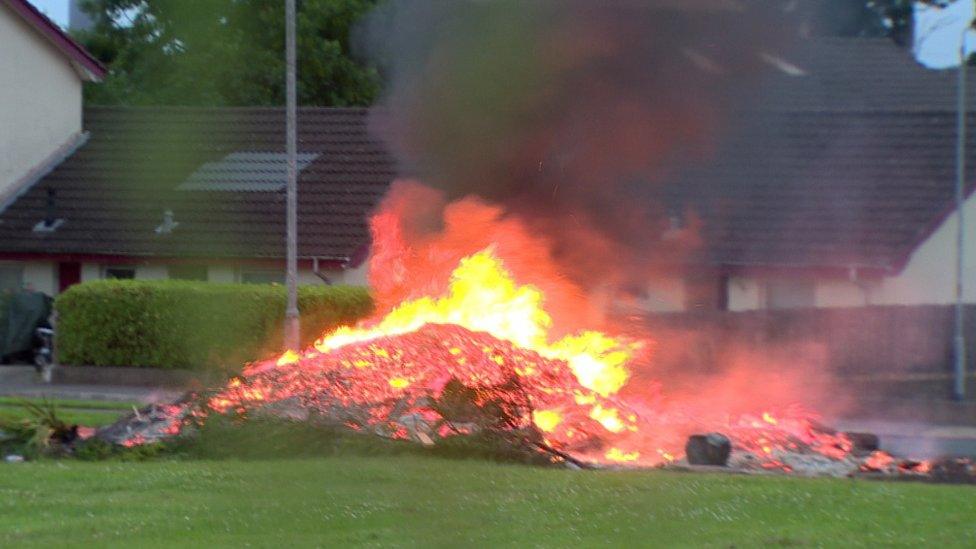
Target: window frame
[{"x": 107, "y": 268}]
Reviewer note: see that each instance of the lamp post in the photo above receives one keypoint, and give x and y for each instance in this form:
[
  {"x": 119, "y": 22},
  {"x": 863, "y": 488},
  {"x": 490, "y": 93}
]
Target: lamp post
[
  {"x": 959, "y": 341},
  {"x": 292, "y": 326}
]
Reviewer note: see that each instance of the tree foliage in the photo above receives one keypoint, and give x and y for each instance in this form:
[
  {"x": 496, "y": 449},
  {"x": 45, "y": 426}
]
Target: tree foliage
[{"x": 225, "y": 52}]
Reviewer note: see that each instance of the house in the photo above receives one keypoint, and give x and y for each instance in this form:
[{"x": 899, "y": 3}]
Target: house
[
  {"x": 837, "y": 191},
  {"x": 40, "y": 99},
  {"x": 40, "y": 104},
  {"x": 198, "y": 193},
  {"x": 90, "y": 193}
]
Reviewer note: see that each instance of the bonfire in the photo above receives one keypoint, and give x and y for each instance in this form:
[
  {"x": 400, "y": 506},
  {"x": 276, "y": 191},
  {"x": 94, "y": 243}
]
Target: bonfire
[{"x": 463, "y": 342}]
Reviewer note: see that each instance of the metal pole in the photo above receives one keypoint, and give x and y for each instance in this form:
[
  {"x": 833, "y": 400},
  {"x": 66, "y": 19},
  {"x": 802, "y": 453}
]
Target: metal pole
[
  {"x": 292, "y": 327},
  {"x": 959, "y": 354}
]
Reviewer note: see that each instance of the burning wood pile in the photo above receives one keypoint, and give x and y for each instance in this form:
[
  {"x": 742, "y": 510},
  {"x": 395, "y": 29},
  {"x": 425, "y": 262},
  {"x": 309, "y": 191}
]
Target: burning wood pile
[{"x": 476, "y": 359}]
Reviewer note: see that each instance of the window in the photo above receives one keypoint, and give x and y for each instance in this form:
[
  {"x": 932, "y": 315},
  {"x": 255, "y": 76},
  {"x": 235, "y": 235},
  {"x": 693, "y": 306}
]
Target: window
[
  {"x": 119, "y": 272},
  {"x": 790, "y": 294},
  {"x": 262, "y": 276},
  {"x": 188, "y": 272}
]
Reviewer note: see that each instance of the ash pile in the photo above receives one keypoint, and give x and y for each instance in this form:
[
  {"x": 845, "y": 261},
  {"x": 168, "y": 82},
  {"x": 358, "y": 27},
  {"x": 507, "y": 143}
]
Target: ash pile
[{"x": 855, "y": 455}]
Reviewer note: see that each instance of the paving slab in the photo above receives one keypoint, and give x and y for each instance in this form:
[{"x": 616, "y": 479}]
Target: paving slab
[
  {"x": 23, "y": 381},
  {"x": 917, "y": 439}
]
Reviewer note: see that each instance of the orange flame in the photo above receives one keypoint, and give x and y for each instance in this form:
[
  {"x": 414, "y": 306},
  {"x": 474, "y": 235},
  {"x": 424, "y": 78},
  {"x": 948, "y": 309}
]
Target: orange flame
[
  {"x": 483, "y": 297},
  {"x": 457, "y": 306}
]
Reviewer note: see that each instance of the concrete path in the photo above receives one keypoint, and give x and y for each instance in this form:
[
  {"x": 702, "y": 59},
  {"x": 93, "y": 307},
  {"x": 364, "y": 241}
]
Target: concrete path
[
  {"x": 917, "y": 440},
  {"x": 23, "y": 381}
]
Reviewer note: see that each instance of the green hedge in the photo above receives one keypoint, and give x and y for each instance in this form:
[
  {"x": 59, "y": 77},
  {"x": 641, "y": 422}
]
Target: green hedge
[{"x": 194, "y": 325}]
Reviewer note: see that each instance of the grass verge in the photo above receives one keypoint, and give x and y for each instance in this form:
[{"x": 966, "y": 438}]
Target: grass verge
[
  {"x": 90, "y": 413},
  {"x": 74, "y": 403},
  {"x": 414, "y": 501}
]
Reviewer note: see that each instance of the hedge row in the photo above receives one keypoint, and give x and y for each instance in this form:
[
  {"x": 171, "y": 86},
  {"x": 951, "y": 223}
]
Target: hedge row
[{"x": 194, "y": 325}]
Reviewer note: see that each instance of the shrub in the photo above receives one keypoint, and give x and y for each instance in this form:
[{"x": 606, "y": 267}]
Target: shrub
[{"x": 194, "y": 325}]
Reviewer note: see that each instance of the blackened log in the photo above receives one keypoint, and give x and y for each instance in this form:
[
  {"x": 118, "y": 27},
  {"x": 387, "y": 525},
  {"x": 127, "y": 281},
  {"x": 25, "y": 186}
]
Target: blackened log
[
  {"x": 863, "y": 443},
  {"x": 710, "y": 449}
]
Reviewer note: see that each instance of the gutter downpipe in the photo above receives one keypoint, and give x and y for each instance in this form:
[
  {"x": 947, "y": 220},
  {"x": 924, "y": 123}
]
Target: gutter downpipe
[{"x": 318, "y": 273}]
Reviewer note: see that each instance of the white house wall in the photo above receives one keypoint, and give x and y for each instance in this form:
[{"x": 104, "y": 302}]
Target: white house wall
[
  {"x": 744, "y": 293},
  {"x": 40, "y": 99},
  {"x": 221, "y": 274},
  {"x": 927, "y": 278},
  {"x": 354, "y": 277},
  {"x": 665, "y": 294},
  {"x": 42, "y": 276},
  {"x": 90, "y": 271},
  {"x": 844, "y": 293}
]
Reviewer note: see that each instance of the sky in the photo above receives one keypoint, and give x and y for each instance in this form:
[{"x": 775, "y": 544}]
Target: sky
[
  {"x": 938, "y": 33},
  {"x": 57, "y": 10}
]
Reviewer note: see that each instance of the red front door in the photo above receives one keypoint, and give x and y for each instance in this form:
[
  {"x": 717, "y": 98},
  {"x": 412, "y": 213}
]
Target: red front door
[{"x": 68, "y": 275}]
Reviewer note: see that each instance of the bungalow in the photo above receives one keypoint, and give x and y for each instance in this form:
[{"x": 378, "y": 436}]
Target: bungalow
[
  {"x": 40, "y": 106},
  {"x": 837, "y": 191},
  {"x": 170, "y": 192},
  {"x": 193, "y": 193}
]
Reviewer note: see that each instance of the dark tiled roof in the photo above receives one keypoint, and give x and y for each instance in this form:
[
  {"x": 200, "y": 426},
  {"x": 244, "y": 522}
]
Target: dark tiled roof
[
  {"x": 857, "y": 75},
  {"x": 850, "y": 164},
  {"x": 825, "y": 189},
  {"x": 113, "y": 191}
]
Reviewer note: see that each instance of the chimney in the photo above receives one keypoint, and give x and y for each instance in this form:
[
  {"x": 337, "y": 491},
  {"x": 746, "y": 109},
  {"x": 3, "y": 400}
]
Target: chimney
[
  {"x": 49, "y": 215},
  {"x": 50, "y": 223}
]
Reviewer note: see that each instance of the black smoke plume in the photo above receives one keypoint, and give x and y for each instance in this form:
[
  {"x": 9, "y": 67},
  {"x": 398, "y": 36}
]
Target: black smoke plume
[{"x": 571, "y": 113}]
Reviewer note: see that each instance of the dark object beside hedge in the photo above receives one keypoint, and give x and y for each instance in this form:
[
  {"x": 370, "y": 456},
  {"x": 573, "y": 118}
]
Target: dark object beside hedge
[
  {"x": 21, "y": 313},
  {"x": 191, "y": 325}
]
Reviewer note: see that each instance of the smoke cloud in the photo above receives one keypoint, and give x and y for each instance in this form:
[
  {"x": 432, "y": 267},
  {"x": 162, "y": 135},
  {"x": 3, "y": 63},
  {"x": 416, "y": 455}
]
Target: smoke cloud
[{"x": 570, "y": 114}]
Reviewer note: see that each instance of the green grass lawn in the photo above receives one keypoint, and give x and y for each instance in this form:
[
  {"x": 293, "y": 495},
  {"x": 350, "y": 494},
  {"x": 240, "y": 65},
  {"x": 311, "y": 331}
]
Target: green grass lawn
[
  {"x": 74, "y": 403},
  {"x": 416, "y": 501},
  {"x": 91, "y": 413}
]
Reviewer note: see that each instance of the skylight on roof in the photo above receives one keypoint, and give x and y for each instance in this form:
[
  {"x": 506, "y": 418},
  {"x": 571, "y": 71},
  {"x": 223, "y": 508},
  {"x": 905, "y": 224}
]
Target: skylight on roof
[{"x": 254, "y": 171}]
